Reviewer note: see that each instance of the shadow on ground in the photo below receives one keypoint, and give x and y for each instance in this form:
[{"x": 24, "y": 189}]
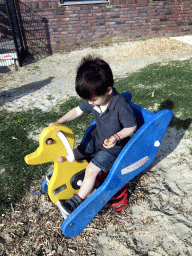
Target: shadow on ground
[
  {"x": 17, "y": 93},
  {"x": 4, "y": 69}
]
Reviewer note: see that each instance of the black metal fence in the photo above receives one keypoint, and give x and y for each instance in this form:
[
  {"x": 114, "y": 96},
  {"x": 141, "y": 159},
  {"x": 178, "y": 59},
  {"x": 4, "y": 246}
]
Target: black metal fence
[
  {"x": 35, "y": 31},
  {"x": 22, "y": 32},
  {"x": 8, "y": 40}
]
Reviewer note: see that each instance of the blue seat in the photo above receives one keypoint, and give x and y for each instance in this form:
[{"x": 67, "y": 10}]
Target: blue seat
[{"x": 135, "y": 157}]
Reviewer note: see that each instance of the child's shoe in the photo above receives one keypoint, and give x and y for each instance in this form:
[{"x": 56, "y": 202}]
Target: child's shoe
[{"x": 67, "y": 207}]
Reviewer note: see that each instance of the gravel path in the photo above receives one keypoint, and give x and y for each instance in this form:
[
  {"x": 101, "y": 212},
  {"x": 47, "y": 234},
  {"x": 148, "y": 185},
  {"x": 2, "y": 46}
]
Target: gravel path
[
  {"x": 49, "y": 81},
  {"x": 158, "y": 219}
]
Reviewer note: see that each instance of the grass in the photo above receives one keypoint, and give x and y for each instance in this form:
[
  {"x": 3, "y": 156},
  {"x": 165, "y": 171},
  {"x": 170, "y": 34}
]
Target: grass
[
  {"x": 160, "y": 86},
  {"x": 155, "y": 87},
  {"x": 16, "y": 176}
]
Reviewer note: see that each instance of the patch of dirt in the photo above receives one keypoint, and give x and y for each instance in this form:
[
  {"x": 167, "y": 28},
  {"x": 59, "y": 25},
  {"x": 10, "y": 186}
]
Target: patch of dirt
[
  {"x": 146, "y": 48},
  {"x": 155, "y": 49},
  {"x": 33, "y": 227}
]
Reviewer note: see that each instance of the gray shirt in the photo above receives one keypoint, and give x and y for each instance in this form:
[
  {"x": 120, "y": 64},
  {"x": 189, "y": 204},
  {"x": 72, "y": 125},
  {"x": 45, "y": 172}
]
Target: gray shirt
[{"x": 118, "y": 115}]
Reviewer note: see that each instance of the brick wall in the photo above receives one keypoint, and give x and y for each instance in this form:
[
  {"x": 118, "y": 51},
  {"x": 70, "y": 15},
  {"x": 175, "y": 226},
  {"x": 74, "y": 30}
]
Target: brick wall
[{"x": 76, "y": 25}]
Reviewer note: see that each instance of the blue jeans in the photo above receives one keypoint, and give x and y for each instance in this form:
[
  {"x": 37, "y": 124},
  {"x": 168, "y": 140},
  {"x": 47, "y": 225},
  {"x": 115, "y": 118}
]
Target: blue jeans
[{"x": 101, "y": 158}]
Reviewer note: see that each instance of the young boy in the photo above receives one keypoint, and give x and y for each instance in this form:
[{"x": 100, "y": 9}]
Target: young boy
[{"x": 115, "y": 122}]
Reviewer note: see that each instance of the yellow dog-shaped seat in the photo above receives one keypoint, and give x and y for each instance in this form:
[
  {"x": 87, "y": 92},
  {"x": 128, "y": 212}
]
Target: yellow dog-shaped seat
[{"x": 55, "y": 142}]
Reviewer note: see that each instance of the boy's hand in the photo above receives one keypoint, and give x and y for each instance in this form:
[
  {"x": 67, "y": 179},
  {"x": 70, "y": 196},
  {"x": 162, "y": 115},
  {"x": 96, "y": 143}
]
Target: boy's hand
[
  {"x": 109, "y": 143},
  {"x": 53, "y": 123}
]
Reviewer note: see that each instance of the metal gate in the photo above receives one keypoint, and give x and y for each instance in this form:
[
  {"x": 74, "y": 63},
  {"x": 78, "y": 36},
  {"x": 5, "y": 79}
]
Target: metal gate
[
  {"x": 11, "y": 43},
  {"x": 35, "y": 32},
  {"x": 22, "y": 32}
]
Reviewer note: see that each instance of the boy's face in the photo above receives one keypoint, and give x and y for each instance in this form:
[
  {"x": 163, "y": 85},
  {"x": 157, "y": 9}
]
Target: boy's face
[{"x": 102, "y": 100}]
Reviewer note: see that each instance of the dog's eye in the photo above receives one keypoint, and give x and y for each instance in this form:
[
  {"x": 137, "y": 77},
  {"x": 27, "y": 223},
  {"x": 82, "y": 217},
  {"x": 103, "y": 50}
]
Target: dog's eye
[{"x": 49, "y": 141}]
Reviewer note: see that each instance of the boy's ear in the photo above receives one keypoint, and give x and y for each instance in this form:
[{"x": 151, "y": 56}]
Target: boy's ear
[{"x": 109, "y": 90}]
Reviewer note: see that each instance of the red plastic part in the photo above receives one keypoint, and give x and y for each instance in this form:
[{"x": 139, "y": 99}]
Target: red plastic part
[
  {"x": 120, "y": 199},
  {"x": 122, "y": 207},
  {"x": 116, "y": 203}
]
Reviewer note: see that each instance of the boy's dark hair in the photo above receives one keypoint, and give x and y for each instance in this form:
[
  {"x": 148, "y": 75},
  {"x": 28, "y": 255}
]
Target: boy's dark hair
[{"x": 93, "y": 78}]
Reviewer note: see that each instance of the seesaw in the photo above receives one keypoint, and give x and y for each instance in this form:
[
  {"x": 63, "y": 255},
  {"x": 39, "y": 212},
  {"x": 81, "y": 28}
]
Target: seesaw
[{"x": 55, "y": 141}]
